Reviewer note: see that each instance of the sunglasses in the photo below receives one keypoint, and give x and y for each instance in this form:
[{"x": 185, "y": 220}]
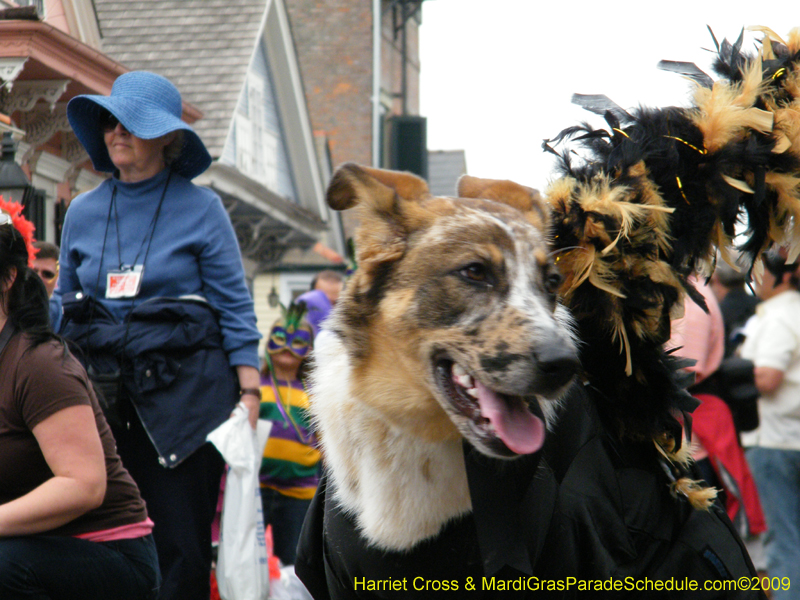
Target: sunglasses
[
  {"x": 46, "y": 274},
  {"x": 110, "y": 123}
]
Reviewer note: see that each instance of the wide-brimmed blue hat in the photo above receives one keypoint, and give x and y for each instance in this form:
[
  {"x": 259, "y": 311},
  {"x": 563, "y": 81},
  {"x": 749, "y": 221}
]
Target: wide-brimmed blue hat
[{"x": 148, "y": 106}]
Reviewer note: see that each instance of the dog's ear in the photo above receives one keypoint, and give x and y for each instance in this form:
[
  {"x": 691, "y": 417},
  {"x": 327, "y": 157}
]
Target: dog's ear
[
  {"x": 388, "y": 207},
  {"x": 353, "y": 184},
  {"x": 526, "y": 200}
]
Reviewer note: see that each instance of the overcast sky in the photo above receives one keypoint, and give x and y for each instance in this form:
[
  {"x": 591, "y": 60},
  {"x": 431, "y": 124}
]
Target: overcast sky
[{"x": 497, "y": 76}]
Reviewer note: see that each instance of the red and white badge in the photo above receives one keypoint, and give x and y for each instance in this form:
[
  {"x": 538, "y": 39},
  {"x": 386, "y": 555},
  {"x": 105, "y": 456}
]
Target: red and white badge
[{"x": 125, "y": 282}]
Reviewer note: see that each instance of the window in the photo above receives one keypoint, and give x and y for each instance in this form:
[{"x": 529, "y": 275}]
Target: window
[
  {"x": 244, "y": 144},
  {"x": 294, "y": 284},
  {"x": 39, "y": 4},
  {"x": 256, "y": 144}
]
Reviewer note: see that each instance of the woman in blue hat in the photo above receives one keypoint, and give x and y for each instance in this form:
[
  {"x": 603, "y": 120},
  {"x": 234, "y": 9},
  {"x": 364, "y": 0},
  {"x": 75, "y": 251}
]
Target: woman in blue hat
[{"x": 145, "y": 234}]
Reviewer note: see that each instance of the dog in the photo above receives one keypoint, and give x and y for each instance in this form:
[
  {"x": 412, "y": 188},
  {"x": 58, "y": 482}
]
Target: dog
[{"x": 449, "y": 331}]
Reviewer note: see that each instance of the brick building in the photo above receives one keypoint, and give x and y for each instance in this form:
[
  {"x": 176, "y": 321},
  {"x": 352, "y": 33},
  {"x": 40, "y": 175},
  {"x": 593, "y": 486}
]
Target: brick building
[{"x": 335, "y": 46}]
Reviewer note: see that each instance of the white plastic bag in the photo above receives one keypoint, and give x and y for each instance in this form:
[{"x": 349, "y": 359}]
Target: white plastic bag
[
  {"x": 242, "y": 572},
  {"x": 288, "y": 586}
]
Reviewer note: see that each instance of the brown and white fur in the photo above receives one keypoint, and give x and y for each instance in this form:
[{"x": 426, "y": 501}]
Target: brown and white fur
[{"x": 442, "y": 284}]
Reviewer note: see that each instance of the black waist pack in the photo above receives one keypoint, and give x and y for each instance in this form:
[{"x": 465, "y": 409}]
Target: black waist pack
[
  {"x": 735, "y": 379},
  {"x": 109, "y": 391}
]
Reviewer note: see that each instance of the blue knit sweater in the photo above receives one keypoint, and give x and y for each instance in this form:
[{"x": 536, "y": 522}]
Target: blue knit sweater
[{"x": 194, "y": 251}]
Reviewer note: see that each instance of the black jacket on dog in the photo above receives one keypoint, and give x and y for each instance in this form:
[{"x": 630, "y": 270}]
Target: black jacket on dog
[{"x": 595, "y": 515}]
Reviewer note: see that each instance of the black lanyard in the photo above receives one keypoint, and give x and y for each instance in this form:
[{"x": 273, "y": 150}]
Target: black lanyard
[{"x": 151, "y": 231}]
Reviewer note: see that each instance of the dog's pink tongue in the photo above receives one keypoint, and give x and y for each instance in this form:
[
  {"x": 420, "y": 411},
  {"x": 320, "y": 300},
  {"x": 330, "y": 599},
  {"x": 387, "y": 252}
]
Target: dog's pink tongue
[{"x": 520, "y": 430}]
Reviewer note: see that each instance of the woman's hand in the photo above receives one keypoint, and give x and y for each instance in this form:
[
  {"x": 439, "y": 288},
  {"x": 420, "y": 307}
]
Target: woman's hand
[
  {"x": 72, "y": 448},
  {"x": 249, "y": 378}
]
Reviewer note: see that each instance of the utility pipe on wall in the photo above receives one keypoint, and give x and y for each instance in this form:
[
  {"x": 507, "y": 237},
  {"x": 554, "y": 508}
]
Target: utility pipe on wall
[{"x": 377, "y": 36}]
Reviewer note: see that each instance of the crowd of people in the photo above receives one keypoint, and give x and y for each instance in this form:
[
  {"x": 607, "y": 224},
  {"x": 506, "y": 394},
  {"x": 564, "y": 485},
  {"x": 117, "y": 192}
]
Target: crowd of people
[
  {"x": 131, "y": 488},
  {"x": 756, "y": 467}
]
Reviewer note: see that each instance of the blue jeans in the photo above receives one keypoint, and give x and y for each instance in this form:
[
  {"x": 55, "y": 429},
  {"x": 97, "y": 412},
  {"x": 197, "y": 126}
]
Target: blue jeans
[
  {"x": 777, "y": 475},
  {"x": 57, "y": 567},
  {"x": 286, "y": 515}
]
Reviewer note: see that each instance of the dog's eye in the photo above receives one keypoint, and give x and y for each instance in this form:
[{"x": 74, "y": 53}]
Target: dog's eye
[
  {"x": 476, "y": 272},
  {"x": 552, "y": 281}
]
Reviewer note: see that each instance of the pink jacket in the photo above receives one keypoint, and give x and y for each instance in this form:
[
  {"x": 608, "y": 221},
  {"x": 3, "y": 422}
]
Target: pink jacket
[{"x": 700, "y": 335}]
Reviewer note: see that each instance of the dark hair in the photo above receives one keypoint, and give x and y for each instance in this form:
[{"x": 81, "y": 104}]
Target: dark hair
[
  {"x": 46, "y": 250},
  {"x": 174, "y": 149},
  {"x": 26, "y": 300},
  {"x": 727, "y": 275},
  {"x": 326, "y": 275},
  {"x": 775, "y": 263}
]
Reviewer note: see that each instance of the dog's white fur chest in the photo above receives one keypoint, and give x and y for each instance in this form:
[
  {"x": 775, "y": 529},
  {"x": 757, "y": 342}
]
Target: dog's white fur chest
[{"x": 401, "y": 489}]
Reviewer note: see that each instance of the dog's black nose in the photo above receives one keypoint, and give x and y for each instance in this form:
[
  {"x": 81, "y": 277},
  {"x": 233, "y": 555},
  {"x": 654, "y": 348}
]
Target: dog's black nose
[{"x": 556, "y": 364}]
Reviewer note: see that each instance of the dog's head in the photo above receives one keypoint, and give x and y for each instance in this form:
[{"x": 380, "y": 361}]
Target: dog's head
[{"x": 451, "y": 320}]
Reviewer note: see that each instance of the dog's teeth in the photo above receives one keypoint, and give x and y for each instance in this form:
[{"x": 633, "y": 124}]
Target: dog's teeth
[
  {"x": 461, "y": 377},
  {"x": 458, "y": 370},
  {"x": 464, "y": 381}
]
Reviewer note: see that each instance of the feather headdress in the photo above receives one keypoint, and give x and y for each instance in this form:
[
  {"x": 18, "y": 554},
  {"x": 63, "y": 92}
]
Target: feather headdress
[
  {"x": 656, "y": 195},
  {"x": 21, "y": 224},
  {"x": 292, "y": 316}
]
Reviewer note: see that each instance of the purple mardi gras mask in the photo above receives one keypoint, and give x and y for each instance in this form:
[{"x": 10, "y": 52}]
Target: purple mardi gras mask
[{"x": 291, "y": 332}]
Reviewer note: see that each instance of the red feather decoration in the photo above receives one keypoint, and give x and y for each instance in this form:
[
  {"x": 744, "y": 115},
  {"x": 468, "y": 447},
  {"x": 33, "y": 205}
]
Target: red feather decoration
[{"x": 21, "y": 224}]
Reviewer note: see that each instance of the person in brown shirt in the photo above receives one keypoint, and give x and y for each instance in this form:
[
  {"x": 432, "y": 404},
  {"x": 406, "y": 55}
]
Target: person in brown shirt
[{"x": 72, "y": 521}]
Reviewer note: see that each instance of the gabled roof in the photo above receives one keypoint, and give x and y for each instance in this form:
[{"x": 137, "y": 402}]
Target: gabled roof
[{"x": 203, "y": 46}]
